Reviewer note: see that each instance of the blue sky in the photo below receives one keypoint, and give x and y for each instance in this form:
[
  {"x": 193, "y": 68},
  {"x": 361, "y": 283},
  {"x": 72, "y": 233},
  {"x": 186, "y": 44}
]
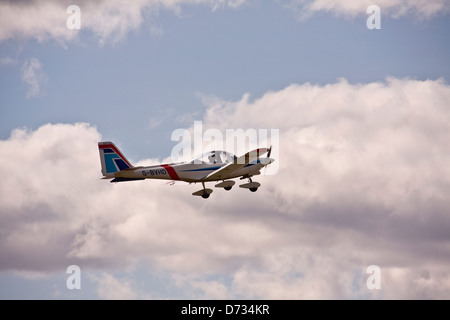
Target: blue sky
[
  {"x": 375, "y": 102},
  {"x": 150, "y": 78}
]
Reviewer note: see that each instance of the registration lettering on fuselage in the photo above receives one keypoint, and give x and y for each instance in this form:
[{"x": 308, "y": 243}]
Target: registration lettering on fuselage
[{"x": 155, "y": 172}]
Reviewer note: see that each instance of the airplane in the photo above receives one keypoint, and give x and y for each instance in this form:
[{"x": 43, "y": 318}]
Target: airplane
[{"x": 208, "y": 167}]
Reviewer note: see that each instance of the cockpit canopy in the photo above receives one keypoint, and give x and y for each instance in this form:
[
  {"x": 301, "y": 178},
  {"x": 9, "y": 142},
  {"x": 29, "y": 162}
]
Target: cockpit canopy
[{"x": 214, "y": 157}]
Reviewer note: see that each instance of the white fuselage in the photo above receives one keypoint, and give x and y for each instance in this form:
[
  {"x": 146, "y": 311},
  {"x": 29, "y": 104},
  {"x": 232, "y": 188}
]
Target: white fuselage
[{"x": 189, "y": 172}]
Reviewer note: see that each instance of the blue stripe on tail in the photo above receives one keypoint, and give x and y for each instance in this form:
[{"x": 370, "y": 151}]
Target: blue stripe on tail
[{"x": 113, "y": 162}]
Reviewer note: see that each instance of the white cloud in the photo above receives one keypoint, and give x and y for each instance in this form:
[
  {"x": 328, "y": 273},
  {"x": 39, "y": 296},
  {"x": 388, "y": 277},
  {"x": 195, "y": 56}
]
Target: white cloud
[
  {"x": 111, "y": 21},
  {"x": 363, "y": 180},
  {"x": 111, "y": 288},
  {"x": 108, "y": 20},
  {"x": 34, "y": 77},
  {"x": 424, "y": 9},
  {"x": 34, "y": 19}
]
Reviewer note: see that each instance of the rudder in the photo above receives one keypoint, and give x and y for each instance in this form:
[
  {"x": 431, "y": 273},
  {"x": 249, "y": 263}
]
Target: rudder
[{"x": 112, "y": 160}]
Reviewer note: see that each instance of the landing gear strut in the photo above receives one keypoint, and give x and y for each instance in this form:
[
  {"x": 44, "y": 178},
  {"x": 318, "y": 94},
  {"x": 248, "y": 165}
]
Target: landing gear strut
[
  {"x": 254, "y": 189},
  {"x": 204, "y": 193}
]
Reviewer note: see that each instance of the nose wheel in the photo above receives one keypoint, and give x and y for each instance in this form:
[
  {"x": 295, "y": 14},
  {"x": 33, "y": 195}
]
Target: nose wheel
[{"x": 252, "y": 186}]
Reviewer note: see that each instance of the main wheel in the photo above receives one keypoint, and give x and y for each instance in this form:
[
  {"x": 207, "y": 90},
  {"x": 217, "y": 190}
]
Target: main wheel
[
  {"x": 253, "y": 189},
  {"x": 228, "y": 188},
  {"x": 205, "y": 196}
]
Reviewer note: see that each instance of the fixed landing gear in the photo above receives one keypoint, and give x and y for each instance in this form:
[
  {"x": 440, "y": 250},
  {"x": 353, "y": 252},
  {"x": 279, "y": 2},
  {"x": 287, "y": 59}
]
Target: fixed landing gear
[
  {"x": 254, "y": 189},
  {"x": 227, "y": 185},
  {"x": 252, "y": 186},
  {"x": 204, "y": 193}
]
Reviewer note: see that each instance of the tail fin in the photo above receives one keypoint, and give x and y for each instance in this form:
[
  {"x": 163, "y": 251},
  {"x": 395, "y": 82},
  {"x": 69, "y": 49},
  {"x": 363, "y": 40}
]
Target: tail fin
[{"x": 112, "y": 159}]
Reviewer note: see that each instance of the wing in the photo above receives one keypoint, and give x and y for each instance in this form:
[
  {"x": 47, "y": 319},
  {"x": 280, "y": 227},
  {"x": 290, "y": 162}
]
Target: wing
[{"x": 242, "y": 161}]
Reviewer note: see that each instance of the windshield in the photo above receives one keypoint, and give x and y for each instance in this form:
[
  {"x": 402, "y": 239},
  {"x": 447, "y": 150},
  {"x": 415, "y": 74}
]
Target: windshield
[{"x": 214, "y": 157}]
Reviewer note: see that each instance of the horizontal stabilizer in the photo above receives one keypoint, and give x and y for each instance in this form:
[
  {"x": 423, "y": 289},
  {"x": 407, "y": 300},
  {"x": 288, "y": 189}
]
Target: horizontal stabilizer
[{"x": 126, "y": 179}]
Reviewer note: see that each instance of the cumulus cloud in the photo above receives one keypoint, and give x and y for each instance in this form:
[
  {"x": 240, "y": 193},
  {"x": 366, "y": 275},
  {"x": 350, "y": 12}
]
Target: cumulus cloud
[
  {"x": 108, "y": 20},
  {"x": 111, "y": 21},
  {"x": 111, "y": 288},
  {"x": 34, "y": 77},
  {"x": 367, "y": 158},
  {"x": 363, "y": 180},
  {"x": 395, "y": 8}
]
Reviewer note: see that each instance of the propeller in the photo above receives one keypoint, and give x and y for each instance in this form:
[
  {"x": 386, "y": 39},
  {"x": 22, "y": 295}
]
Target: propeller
[{"x": 268, "y": 156}]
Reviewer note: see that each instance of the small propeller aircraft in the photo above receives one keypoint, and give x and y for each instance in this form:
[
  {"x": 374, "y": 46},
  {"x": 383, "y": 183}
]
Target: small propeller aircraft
[{"x": 208, "y": 167}]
